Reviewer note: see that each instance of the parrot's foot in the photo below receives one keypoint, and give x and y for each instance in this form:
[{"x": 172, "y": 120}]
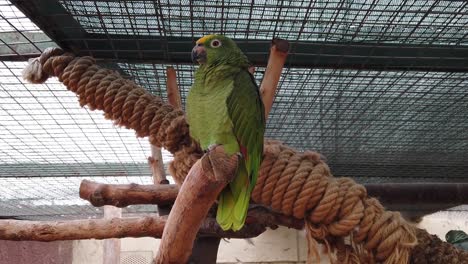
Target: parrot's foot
[{"x": 223, "y": 165}]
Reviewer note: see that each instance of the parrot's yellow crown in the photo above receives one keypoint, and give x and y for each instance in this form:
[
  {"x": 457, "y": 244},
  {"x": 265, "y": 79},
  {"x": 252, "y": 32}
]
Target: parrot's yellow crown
[{"x": 203, "y": 39}]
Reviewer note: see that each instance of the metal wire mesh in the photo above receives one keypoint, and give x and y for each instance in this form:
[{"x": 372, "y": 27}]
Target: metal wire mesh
[
  {"x": 382, "y": 34},
  {"x": 19, "y": 37},
  {"x": 384, "y": 21},
  {"x": 39, "y": 198},
  {"x": 48, "y": 144}
]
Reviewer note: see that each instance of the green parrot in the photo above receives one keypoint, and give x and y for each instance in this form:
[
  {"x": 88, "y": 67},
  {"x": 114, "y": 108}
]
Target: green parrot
[
  {"x": 224, "y": 107},
  {"x": 457, "y": 238}
]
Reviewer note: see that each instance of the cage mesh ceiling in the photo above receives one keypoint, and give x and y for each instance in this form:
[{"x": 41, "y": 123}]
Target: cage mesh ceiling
[
  {"x": 19, "y": 38},
  {"x": 378, "y": 87},
  {"x": 384, "y": 21}
]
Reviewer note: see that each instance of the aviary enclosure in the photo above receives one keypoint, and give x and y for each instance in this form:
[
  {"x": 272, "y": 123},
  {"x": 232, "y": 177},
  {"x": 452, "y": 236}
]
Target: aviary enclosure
[{"x": 378, "y": 88}]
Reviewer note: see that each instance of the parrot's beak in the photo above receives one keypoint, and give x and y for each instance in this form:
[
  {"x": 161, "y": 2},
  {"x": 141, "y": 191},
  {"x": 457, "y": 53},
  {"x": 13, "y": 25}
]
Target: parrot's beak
[{"x": 199, "y": 54}]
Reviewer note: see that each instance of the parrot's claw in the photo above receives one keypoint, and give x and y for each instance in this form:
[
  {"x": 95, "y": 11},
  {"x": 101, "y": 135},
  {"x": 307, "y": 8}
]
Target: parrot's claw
[
  {"x": 224, "y": 166},
  {"x": 212, "y": 147}
]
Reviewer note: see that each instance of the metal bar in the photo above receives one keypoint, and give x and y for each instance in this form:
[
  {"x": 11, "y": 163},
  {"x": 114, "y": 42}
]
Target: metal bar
[
  {"x": 307, "y": 54},
  {"x": 423, "y": 197},
  {"x": 52, "y": 18}
]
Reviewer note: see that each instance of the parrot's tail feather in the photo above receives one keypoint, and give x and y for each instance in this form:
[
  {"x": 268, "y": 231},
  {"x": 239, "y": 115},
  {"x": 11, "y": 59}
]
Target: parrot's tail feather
[
  {"x": 234, "y": 201},
  {"x": 240, "y": 209},
  {"x": 225, "y": 209}
]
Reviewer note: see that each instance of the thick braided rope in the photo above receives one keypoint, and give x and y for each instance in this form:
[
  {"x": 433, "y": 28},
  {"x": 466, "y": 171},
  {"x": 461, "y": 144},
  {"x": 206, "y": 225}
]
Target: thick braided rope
[
  {"x": 296, "y": 184},
  {"x": 123, "y": 101}
]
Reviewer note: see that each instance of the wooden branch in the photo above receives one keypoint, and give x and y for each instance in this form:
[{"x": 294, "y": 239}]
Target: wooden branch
[
  {"x": 147, "y": 226},
  {"x": 81, "y": 229},
  {"x": 157, "y": 166},
  {"x": 122, "y": 195},
  {"x": 173, "y": 95},
  {"x": 278, "y": 54},
  {"x": 205, "y": 180}
]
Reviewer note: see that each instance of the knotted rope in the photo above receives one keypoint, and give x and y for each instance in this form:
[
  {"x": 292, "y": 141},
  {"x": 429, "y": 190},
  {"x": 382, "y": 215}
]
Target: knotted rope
[{"x": 293, "y": 183}]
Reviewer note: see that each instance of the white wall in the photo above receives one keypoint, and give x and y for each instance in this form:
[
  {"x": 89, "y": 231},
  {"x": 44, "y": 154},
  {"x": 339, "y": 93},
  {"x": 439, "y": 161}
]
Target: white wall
[
  {"x": 87, "y": 251},
  {"x": 441, "y": 222}
]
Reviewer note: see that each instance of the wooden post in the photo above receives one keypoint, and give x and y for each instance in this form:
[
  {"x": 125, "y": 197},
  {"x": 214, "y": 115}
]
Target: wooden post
[
  {"x": 157, "y": 166},
  {"x": 278, "y": 54},
  {"x": 112, "y": 246},
  {"x": 173, "y": 95}
]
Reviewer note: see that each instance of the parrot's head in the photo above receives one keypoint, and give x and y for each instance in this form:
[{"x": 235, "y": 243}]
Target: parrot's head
[{"x": 216, "y": 50}]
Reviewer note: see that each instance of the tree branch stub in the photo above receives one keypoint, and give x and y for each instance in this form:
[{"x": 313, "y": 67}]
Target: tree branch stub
[
  {"x": 276, "y": 60},
  {"x": 173, "y": 95}
]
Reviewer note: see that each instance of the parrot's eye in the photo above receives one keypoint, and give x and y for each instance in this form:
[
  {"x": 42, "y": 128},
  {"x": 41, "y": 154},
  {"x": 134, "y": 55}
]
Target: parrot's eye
[{"x": 215, "y": 43}]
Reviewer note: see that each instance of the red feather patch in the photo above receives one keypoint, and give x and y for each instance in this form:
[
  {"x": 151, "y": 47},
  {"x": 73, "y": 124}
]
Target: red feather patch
[{"x": 243, "y": 150}]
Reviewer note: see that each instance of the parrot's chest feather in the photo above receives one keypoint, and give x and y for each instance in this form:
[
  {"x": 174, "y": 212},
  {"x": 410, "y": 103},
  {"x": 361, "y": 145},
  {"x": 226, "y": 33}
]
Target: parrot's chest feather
[{"x": 207, "y": 112}]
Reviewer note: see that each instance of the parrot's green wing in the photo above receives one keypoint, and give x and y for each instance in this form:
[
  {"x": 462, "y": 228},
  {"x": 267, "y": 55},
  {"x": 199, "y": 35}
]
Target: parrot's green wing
[{"x": 246, "y": 111}]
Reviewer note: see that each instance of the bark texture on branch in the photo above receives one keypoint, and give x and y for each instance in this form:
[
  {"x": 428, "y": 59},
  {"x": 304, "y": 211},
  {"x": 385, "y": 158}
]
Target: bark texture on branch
[
  {"x": 206, "y": 179},
  {"x": 122, "y": 195},
  {"x": 145, "y": 226},
  {"x": 81, "y": 229}
]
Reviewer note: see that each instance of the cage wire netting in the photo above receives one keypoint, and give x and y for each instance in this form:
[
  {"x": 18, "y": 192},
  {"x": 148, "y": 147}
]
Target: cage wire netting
[
  {"x": 19, "y": 37},
  {"x": 378, "y": 87}
]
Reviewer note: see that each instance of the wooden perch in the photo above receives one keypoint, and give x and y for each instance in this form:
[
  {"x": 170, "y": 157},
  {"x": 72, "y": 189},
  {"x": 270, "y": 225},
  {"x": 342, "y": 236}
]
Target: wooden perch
[
  {"x": 122, "y": 195},
  {"x": 81, "y": 229},
  {"x": 278, "y": 55},
  {"x": 205, "y": 180},
  {"x": 146, "y": 226}
]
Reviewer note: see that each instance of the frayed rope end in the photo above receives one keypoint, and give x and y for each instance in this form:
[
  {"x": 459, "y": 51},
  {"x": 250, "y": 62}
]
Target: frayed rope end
[{"x": 33, "y": 72}]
